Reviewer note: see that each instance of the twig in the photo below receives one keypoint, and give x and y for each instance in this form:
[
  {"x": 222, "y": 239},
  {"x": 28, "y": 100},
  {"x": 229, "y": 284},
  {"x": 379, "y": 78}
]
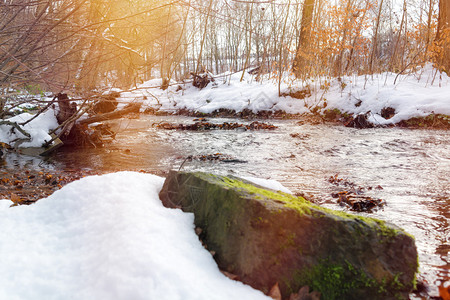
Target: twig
[
  {"x": 406, "y": 67},
  {"x": 16, "y": 126},
  {"x": 40, "y": 112},
  {"x": 185, "y": 160}
]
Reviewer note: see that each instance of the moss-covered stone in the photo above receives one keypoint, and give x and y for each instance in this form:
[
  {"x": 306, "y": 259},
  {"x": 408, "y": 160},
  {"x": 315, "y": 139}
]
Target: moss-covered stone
[{"x": 267, "y": 236}]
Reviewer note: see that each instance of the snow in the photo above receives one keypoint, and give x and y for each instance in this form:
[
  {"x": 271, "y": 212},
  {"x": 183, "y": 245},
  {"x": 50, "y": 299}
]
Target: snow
[
  {"x": 107, "y": 237},
  {"x": 415, "y": 95},
  {"x": 268, "y": 183},
  {"x": 38, "y": 129},
  {"x": 420, "y": 92},
  {"x": 111, "y": 90}
]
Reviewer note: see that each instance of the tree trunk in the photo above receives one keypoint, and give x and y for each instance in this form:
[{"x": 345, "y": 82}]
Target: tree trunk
[
  {"x": 375, "y": 38},
  {"x": 427, "y": 42},
  {"x": 443, "y": 35},
  {"x": 248, "y": 27},
  {"x": 280, "y": 59},
  {"x": 199, "y": 58},
  {"x": 300, "y": 60}
]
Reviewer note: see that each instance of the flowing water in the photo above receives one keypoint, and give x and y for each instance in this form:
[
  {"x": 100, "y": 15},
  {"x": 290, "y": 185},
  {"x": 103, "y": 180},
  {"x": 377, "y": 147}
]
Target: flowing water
[{"x": 411, "y": 166}]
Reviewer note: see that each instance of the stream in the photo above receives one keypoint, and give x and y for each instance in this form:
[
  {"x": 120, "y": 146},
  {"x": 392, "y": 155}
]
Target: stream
[{"x": 412, "y": 167}]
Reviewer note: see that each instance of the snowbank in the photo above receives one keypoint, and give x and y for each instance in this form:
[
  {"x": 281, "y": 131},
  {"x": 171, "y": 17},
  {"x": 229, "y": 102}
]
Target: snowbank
[
  {"x": 415, "y": 95},
  {"x": 37, "y": 128},
  {"x": 419, "y": 93},
  {"x": 107, "y": 237}
]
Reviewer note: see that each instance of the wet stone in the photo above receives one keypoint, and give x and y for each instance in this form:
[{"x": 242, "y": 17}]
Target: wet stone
[{"x": 266, "y": 237}]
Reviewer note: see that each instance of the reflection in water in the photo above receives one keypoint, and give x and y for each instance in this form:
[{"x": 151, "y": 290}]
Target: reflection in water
[
  {"x": 442, "y": 228},
  {"x": 412, "y": 166}
]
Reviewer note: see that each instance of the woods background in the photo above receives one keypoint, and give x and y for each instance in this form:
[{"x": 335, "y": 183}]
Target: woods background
[{"x": 83, "y": 45}]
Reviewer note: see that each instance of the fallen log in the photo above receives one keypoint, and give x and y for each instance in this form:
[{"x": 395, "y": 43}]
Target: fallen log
[{"x": 130, "y": 108}]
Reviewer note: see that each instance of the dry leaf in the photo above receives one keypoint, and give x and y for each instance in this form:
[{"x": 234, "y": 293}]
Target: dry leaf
[
  {"x": 15, "y": 198},
  {"x": 229, "y": 275},
  {"x": 315, "y": 295},
  {"x": 444, "y": 292},
  {"x": 198, "y": 230},
  {"x": 304, "y": 294},
  {"x": 275, "y": 292}
]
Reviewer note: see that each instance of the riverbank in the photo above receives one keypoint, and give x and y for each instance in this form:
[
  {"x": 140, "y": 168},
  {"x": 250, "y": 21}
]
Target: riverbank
[
  {"x": 87, "y": 244},
  {"x": 417, "y": 99},
  {"x": 331, "y": 117}
]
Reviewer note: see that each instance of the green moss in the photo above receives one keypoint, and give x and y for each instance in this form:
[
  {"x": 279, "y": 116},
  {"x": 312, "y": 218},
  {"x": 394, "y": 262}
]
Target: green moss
[
  {"x": 336, "y": 281},
  {"x": 386, "y": 231},
  {"x": 331, "y": 280},
  {"x": 305, "y": 207},
  {"x": 383, "y": 230},
  {"x": 289, "y": 242},
  {"x": 298, "y": 203},
  {"x": 431, "y": 121},
  {"x": 415, "y": 269}
]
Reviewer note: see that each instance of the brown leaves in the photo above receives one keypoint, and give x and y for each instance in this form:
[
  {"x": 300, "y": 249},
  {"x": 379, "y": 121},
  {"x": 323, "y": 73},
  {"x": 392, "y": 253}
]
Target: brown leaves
[
  {"x": 231, "y": 276},
  {"x": 27, "y": 186},
  {"x": 304, "y": 294},
  {"x": 215, "y": 157},
  {"x": 202, "y": 125},
  {"x": 358, "y": 202},
  {"x": 353, "y": 196},
  {"x": 444, "y": 292},
  {"x": 275, "y": 292},
  {"x": 16, "y": 199}
]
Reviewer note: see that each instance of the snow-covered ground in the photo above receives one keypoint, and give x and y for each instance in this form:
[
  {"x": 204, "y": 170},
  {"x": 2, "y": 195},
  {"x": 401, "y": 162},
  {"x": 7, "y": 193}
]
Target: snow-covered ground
[
  {"x": 37, "y": 128},
  {"x": 417, "y": 94},
  {"x": 108, "y": 237}
]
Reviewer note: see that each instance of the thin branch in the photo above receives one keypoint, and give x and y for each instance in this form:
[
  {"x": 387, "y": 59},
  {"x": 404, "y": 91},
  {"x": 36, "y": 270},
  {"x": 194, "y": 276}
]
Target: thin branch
[
  {"x": 40, "y": 112},
  {"x": 16, "y": 126}
]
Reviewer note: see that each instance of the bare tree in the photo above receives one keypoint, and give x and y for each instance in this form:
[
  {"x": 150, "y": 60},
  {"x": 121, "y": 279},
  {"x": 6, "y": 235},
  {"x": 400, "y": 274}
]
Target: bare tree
[
  {"x": 305, "y": 31},
  {"x": 443, "y": 35}
]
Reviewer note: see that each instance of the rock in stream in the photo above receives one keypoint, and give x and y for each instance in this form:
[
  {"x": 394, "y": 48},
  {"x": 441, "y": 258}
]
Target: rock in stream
[{"x": 267, "y": 237}]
